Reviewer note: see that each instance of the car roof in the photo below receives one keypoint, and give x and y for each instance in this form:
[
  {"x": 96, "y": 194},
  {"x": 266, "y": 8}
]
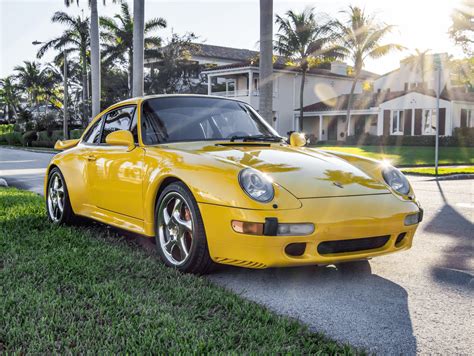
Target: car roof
[{"x": 156, "y": 96}]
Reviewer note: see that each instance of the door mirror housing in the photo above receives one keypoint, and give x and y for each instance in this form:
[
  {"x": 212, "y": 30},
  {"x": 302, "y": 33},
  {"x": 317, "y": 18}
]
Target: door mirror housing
[
  {"x": 297, "y": 139},
  {"x": 66, "y": 144},
  {"x": 120, "y": 138}
]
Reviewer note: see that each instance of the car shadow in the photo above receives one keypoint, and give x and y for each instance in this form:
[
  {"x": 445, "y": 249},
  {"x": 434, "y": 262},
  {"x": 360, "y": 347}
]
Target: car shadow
[
  {"x": 351, "y": 306},
  {"x": 455, "y": 267}
]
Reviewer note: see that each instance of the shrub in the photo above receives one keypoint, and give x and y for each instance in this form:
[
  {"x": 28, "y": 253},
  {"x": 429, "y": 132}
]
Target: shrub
[
  {"x": 372, "y": 140},
  {"x": 465, "y": 136},
  {"x": 13, "y": 138},
  {"x": 48, "y": 144},
  {"x": 29, "y": 137},
  {"x": 6, "y": 128},
  {"x": 75, "y": 134}
]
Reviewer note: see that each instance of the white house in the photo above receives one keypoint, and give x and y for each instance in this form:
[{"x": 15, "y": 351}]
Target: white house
[
  {"x": 403, "y": 103},
  {"x": 402, "y": 113},
  {"x": 241, "y": 80}
]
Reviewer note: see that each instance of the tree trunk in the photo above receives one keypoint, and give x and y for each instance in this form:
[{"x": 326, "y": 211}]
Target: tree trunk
[
  {"x": 349, "y": 106},
  {"x": 95, "y": 59},
  {"x": 130, "y": 72},
  {"x": 138, "y": 46},
  {"x": 85, "y": 90},
  {"x": 266, "y": 60},
  {"x": 65, "y": 104},
  {"x": 300, "y": 120}
]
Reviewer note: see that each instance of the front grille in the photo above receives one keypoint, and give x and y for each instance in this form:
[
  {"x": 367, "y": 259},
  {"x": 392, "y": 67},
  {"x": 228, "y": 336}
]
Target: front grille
[{"x": 353, "y": 245}]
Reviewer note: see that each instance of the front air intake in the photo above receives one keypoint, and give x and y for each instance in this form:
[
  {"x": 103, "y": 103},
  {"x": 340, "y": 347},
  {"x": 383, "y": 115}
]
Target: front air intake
[{"x": 353, "y": 245}]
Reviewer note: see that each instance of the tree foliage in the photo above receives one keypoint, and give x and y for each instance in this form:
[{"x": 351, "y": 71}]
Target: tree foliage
[{"x": 462, "y": 28}]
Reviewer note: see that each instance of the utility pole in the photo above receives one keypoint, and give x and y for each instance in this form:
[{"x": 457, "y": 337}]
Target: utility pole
[
  {"x": 266, "y": 61},
  {"x": 65, "y": 103},
  {"x": 437, "y": 61}
]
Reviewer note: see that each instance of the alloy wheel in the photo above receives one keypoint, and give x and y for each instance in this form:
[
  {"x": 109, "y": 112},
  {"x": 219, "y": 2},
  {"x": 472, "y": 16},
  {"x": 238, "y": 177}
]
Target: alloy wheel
[
  {"x": 175, "y": 228},
  {"x": 56, "y": 197}
]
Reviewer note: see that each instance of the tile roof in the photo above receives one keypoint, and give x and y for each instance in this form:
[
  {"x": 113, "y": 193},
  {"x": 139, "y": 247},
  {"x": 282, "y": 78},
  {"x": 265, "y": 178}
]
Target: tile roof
[
  {"x": 221, "y": 52},
  {"x": 280, "y": 65}
]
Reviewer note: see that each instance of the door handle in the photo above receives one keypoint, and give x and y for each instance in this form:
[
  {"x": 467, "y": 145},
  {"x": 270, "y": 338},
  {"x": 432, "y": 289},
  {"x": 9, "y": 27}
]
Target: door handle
[{"x": 91, "y": 158}]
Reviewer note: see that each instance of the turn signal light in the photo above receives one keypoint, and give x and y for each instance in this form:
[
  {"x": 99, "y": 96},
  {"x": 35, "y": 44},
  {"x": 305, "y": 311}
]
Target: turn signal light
[
  {"x": 248, "y": 228},
  {"x": 412, "y": 219},
  {"x": 251, "y": 228}
]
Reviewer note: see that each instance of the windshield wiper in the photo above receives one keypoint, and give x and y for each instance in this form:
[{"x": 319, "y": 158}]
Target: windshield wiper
[{"x": 256, "y": 138}]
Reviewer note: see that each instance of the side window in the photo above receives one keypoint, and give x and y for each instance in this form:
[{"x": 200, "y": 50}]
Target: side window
[
  {"x": 93, "y": 135},
  {"x": 118, "y": 119}
]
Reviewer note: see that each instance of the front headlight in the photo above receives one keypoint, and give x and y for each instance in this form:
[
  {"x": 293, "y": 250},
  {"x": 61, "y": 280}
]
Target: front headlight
[
  {"x": 396, "y": 180},
  {"x": 256, "y": 185}
]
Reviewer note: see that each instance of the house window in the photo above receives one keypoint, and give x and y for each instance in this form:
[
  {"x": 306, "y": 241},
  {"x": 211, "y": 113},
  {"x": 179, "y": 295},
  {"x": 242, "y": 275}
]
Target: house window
[
  {"x": 467, "y": 118},
  {"x": 429, "y": 121},
  {"x": 397, "y": 122}
]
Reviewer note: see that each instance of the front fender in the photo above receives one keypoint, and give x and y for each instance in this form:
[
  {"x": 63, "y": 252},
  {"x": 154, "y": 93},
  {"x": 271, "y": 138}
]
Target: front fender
[{"x": 212, "y": 181}]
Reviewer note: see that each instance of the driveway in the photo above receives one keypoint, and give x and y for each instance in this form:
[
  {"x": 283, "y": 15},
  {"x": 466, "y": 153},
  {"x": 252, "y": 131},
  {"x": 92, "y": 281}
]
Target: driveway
[{"x": 418, "y": 301}]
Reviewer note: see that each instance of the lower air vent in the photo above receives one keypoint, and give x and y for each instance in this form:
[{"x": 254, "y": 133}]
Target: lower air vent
[
  {"x": 240, "y": 263},
  {"x": 353, "y": 245}
]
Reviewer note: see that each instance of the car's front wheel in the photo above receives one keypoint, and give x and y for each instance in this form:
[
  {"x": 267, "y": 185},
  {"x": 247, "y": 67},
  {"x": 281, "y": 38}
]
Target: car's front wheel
[
  {"x": 58, "y": 205},
  {"x": 180, "y": 236}
]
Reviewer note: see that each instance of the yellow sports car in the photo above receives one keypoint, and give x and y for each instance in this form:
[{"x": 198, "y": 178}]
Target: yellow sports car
[{"x": 212, "y": 182}]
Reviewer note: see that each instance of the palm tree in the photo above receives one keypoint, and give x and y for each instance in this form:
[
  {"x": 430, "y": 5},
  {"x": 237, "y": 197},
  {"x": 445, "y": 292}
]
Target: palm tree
[
  {"x": 359, "y": 38},
  {"x": 118, "y": 35},
  {"x": 266, "y": 60},
  {"x": 418, "y": 63},
  {"x": 75, "y": 39},
  {"x": 32, "y": 79},
  {"x": 9, "y": 96},
  {"x": 305, "y": 43},
  {"x": 95, "y": 53}
]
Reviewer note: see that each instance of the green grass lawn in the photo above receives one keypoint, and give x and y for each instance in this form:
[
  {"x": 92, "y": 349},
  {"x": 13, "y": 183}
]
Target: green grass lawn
[
  {"x": 89, "y": 290},
  {"x": 410, "y": 155},
  {"x": 442, "y": 171}
]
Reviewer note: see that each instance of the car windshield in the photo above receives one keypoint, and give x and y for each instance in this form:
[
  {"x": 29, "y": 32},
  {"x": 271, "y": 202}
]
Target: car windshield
[{"x": 175, "y": 119}]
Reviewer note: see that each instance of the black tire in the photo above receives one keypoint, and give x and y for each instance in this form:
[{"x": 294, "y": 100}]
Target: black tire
[
  {"x": 67, "y": 215},
  {"x": 197, "y": 261}
]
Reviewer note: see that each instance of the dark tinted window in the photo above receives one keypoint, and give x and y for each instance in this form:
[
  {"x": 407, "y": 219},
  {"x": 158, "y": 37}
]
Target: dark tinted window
[
  {"x": 118, "y": 119},
  {"x": 93, "y": 135},
  {"x": 175, "y": 119}
]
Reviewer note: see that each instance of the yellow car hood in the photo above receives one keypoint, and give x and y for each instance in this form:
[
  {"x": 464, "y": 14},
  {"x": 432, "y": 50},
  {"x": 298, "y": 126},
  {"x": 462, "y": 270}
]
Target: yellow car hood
[{"x": 306, "y": 173}]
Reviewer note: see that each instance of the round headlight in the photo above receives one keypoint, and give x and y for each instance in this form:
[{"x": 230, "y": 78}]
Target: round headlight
[
  {"x": 396, "y": 180},
  {"x": 256, "y": 185}
]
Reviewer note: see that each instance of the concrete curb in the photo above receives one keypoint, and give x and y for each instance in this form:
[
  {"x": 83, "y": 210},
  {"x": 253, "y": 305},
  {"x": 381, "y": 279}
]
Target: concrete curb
[{"x": 29, "y": 149}]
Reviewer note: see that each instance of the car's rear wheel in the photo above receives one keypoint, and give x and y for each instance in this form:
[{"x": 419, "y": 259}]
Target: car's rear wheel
[
  {"x": 180, "y": 236},
  {"x": 58, "y": 205}
]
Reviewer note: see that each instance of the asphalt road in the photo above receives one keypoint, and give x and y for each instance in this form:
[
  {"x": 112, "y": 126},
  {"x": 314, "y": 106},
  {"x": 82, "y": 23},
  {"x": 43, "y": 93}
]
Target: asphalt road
[{"x": 418, "y": 301}]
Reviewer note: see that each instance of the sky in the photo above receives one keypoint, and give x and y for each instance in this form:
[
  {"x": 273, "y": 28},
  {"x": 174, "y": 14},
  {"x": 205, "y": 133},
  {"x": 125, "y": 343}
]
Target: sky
[{"x": 421, "y": 24}]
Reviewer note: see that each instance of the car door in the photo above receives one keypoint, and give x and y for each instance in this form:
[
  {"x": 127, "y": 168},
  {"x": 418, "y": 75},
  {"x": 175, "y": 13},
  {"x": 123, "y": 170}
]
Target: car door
[{"x": 116, "y": 171}]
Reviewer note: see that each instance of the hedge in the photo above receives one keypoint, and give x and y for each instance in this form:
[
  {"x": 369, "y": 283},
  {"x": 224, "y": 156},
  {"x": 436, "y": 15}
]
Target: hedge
[
  {"x": 6, "y": 128},
  {"x": 461, "y": 137}
]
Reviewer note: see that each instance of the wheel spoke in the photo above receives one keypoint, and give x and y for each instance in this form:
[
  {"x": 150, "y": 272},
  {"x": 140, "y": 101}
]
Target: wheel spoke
[
  {"x": 60, "y": 204},
  {"x": 182, "y": 247},
  {"x": 56, "y": 183},
  {"x": 169, "y": 245},
  {"x": 186, "y": 224},
  {"x": 177, "y": 207},
  {"x": 166, "y": 216}
]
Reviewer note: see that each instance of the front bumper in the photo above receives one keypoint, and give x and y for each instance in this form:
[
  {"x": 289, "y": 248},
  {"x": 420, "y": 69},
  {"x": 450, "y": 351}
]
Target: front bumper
[{"x": 335, "y": 219}]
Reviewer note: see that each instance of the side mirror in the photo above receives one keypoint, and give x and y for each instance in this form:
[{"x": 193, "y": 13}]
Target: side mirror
[
  {"x": 121, "y": 138},
  {"x": 64, "y": 145},
  {"x": 297, "y": 139}
]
